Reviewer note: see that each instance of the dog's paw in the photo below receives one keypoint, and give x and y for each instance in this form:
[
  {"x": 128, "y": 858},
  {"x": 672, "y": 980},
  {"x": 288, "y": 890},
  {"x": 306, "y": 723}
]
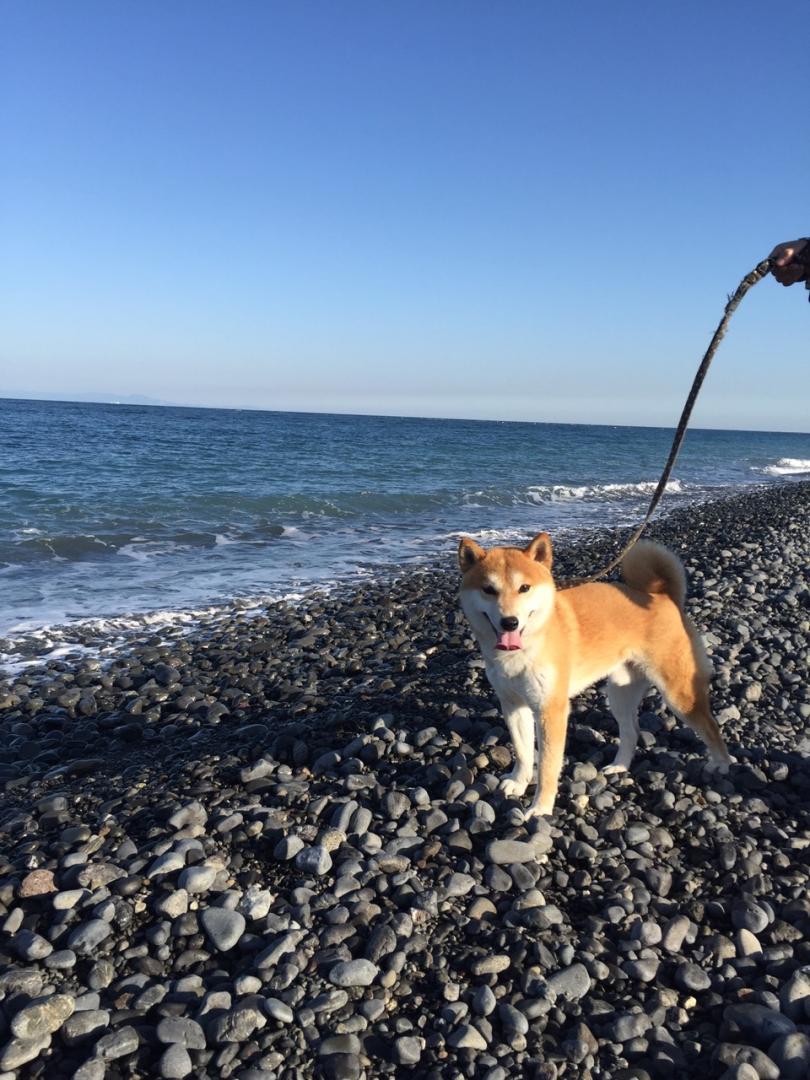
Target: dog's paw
[
  {"x": 513, "y": 787},
  {"x": 541, "y": 809},
  {"x": 614, "y": 769}
]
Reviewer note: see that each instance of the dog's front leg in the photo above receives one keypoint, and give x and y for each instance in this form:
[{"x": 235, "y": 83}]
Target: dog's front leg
[
  {"x": 520, "y": 721},
  {"x": 552, "y": 724}
]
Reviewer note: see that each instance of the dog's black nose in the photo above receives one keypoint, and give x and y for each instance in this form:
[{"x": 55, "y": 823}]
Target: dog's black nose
[{"x": 509, "y": 622}]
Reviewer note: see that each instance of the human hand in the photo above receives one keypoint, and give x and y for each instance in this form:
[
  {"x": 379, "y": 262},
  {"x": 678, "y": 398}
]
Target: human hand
[{"x": 787, "y": 269}]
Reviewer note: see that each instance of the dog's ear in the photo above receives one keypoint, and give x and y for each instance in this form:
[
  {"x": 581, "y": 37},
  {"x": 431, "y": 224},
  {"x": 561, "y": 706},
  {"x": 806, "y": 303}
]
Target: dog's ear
[
  {"x": 540, "y": 549},
  {"x": 469, "y": 553}
]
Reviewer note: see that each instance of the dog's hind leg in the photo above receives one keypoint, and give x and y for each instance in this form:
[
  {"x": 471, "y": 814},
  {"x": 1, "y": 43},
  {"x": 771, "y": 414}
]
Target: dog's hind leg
[
  {"x": 625, "y": 689},
  {"x": 681, "y": 673},
  {"x": 689, "y": 699},
  {"x": 520, "y": 722}
]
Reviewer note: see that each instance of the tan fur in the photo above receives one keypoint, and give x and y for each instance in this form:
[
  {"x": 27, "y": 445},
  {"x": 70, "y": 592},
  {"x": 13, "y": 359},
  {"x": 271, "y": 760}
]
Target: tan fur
[{"x": 636, "y": 634}]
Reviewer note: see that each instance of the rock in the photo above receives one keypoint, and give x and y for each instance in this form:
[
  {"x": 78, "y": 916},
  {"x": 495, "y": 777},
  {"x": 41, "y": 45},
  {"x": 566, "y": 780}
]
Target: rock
[
  {"x": 117, "y": 1044},
  {"x": 484, "y": 1001},
  {"x": 490, "y": 965},
  {"x": 83, "y": 1025},
  {"x": 42, "y": 1016},
  {"x": 791, "y": 1054},
  {"x": 505, "y": 852},
  {"x": 37, "y": 883},
  {"x": 182, "y": 1030},
  {"x": 223, "y": 927},
  {"x": 760, "y": 1024},
  {"x": 674, "y": 933},
  {"x": 734, "y": 1055},
  {"x": 794, "y": 995},
  {"x": 466, "y": 1037},
  {"x": 572, "y": 983},
  {"x": 30, "y": 946},
  {"x": 746, "y": 915},
  {"x": 197, "y": 879},
  {"x": 512, "y": 1020},
  {"x": 629, "y": 1026},
  {"x": 692, "y": 978},
  {"x": 87, "y": 937},
  {"x": 237, "y": 1025},
  {"x": 19, "y": 1052},
  {"x": 407, "y": 1050},
  {"x": 354, "y": 973},
  {"x": 278, "y": 1010},
  {"x": 314, "y": 860},
  {"x": 175, "y": 1062}
]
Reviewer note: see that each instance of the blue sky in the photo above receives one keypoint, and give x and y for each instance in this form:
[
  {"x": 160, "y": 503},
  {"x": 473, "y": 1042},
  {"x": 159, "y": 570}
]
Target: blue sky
[{"x": 523, "y": 210}]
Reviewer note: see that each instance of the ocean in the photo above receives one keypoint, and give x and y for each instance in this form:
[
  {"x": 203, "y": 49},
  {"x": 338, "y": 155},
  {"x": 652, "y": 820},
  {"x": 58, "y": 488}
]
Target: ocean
[{"x": 116, "y": 516}]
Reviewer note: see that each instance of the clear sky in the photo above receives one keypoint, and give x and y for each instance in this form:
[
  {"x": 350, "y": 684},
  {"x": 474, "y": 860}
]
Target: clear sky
[{"x": 516, "y": 210}]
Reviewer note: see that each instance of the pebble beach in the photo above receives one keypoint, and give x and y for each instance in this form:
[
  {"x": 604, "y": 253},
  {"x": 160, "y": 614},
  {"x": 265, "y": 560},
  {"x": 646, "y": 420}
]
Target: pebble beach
[{"x": 274, "y": 847}]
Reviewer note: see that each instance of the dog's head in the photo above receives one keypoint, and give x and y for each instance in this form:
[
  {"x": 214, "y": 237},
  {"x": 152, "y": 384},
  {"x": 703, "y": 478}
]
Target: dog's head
[{"x": 506, "y": 592}]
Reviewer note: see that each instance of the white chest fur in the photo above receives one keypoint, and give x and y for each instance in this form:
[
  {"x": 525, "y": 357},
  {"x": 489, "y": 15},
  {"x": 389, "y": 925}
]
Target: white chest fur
[{"x": 516, "y": 682}]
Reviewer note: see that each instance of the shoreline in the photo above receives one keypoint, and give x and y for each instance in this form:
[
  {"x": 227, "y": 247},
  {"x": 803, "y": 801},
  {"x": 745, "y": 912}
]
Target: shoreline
[
  {"x": 24, "y": 648},
  {"x": 278, "y": 840}
]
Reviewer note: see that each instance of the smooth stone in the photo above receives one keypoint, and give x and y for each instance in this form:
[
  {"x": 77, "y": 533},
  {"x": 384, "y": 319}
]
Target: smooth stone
[
  {"x": 407, "y": 1050},
  {"x": 512, "y": 1019},
  {"x": 314, "y": 860},
  {"x": 223, "y": 927},
  {"x": 175, "y": 1062},
  {"x": 674, "y": 933},
  {"x": 484, "y": 1001},
  {"x": 277, "y": 1010},
  {"x": 118, "y": 1044},
  {"x": 197, "y": 879},
  {"x": 734, "y": 1054},
  {"x": 490, "y": 965},
  {"x": 506, "y": 852},
  {"x": 466, "y": 1037},
  {"x": 791, "y": 1053},
  {"x": 572, "y": 983},
  {"x": 19, "y": 1052},
  {"x": 30, "y": 946},
  {"x": 182, "y": 1030},
  {"x": 758, "y": 1022},
  {"x": 82, "y": 1025},
  {"x": 691, "y": 977},
  {"x": 354, "y": 973},
  {"x": 43, "y": 1016},
  {"x": 88, "y": 936}
]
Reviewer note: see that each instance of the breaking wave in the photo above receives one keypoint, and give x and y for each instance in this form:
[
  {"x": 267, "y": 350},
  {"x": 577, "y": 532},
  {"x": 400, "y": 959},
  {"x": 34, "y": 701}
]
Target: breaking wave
[{"x": 788, "y": 466}]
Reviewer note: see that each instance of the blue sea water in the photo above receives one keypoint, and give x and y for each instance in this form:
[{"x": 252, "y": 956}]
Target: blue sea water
[{"x": 109, "y": 510}]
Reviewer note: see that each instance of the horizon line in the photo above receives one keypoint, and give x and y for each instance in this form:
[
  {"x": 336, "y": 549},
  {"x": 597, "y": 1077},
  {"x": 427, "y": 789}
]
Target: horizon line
[{"x": 157, "y": 404}]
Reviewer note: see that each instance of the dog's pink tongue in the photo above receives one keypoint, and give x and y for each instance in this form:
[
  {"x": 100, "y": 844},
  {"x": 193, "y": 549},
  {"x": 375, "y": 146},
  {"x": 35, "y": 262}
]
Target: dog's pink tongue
[{"x": 510, "y": 641}]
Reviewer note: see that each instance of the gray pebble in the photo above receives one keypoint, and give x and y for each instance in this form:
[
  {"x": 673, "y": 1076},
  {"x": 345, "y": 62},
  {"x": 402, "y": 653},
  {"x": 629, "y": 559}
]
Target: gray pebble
[
  {"x": 223, "y": 927},
  {"x": 354, "y": 973}
]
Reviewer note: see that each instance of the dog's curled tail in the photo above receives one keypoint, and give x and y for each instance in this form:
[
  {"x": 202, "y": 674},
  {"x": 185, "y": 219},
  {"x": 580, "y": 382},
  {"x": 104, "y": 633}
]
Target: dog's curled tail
[{"x": 651, "y": 568}]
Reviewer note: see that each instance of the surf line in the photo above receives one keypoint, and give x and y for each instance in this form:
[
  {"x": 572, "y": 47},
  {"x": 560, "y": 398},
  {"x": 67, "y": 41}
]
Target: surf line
[{"x": 756, "y": 275}]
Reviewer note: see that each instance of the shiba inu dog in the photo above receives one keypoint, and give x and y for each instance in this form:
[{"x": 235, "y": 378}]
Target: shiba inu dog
[{"x": 542, "y": 646}]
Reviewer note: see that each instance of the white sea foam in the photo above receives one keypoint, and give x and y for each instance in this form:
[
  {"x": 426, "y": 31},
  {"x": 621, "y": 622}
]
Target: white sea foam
[
  {"x": 788, "y": 466},
  {"x": 566, "y": 493}
]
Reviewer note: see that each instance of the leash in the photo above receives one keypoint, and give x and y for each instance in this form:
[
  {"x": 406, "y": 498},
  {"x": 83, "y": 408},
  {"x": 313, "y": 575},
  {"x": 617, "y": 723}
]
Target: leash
[{"x": 748, "y": 282}]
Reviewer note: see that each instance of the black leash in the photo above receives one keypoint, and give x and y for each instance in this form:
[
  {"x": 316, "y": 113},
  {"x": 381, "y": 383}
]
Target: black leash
[{"x": 748, "y": 282}]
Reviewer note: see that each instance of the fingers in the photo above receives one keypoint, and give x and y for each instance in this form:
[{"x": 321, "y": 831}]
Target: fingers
[
  {"x": 784, "y": 269},
  {"x": 788, "y": 275}
]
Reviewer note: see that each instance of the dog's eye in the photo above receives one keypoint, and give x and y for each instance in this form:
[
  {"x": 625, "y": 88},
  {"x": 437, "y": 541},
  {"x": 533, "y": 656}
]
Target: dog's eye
[
  {"x": 490, "y": 590},
  {"x": 524, "y": 588}
]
